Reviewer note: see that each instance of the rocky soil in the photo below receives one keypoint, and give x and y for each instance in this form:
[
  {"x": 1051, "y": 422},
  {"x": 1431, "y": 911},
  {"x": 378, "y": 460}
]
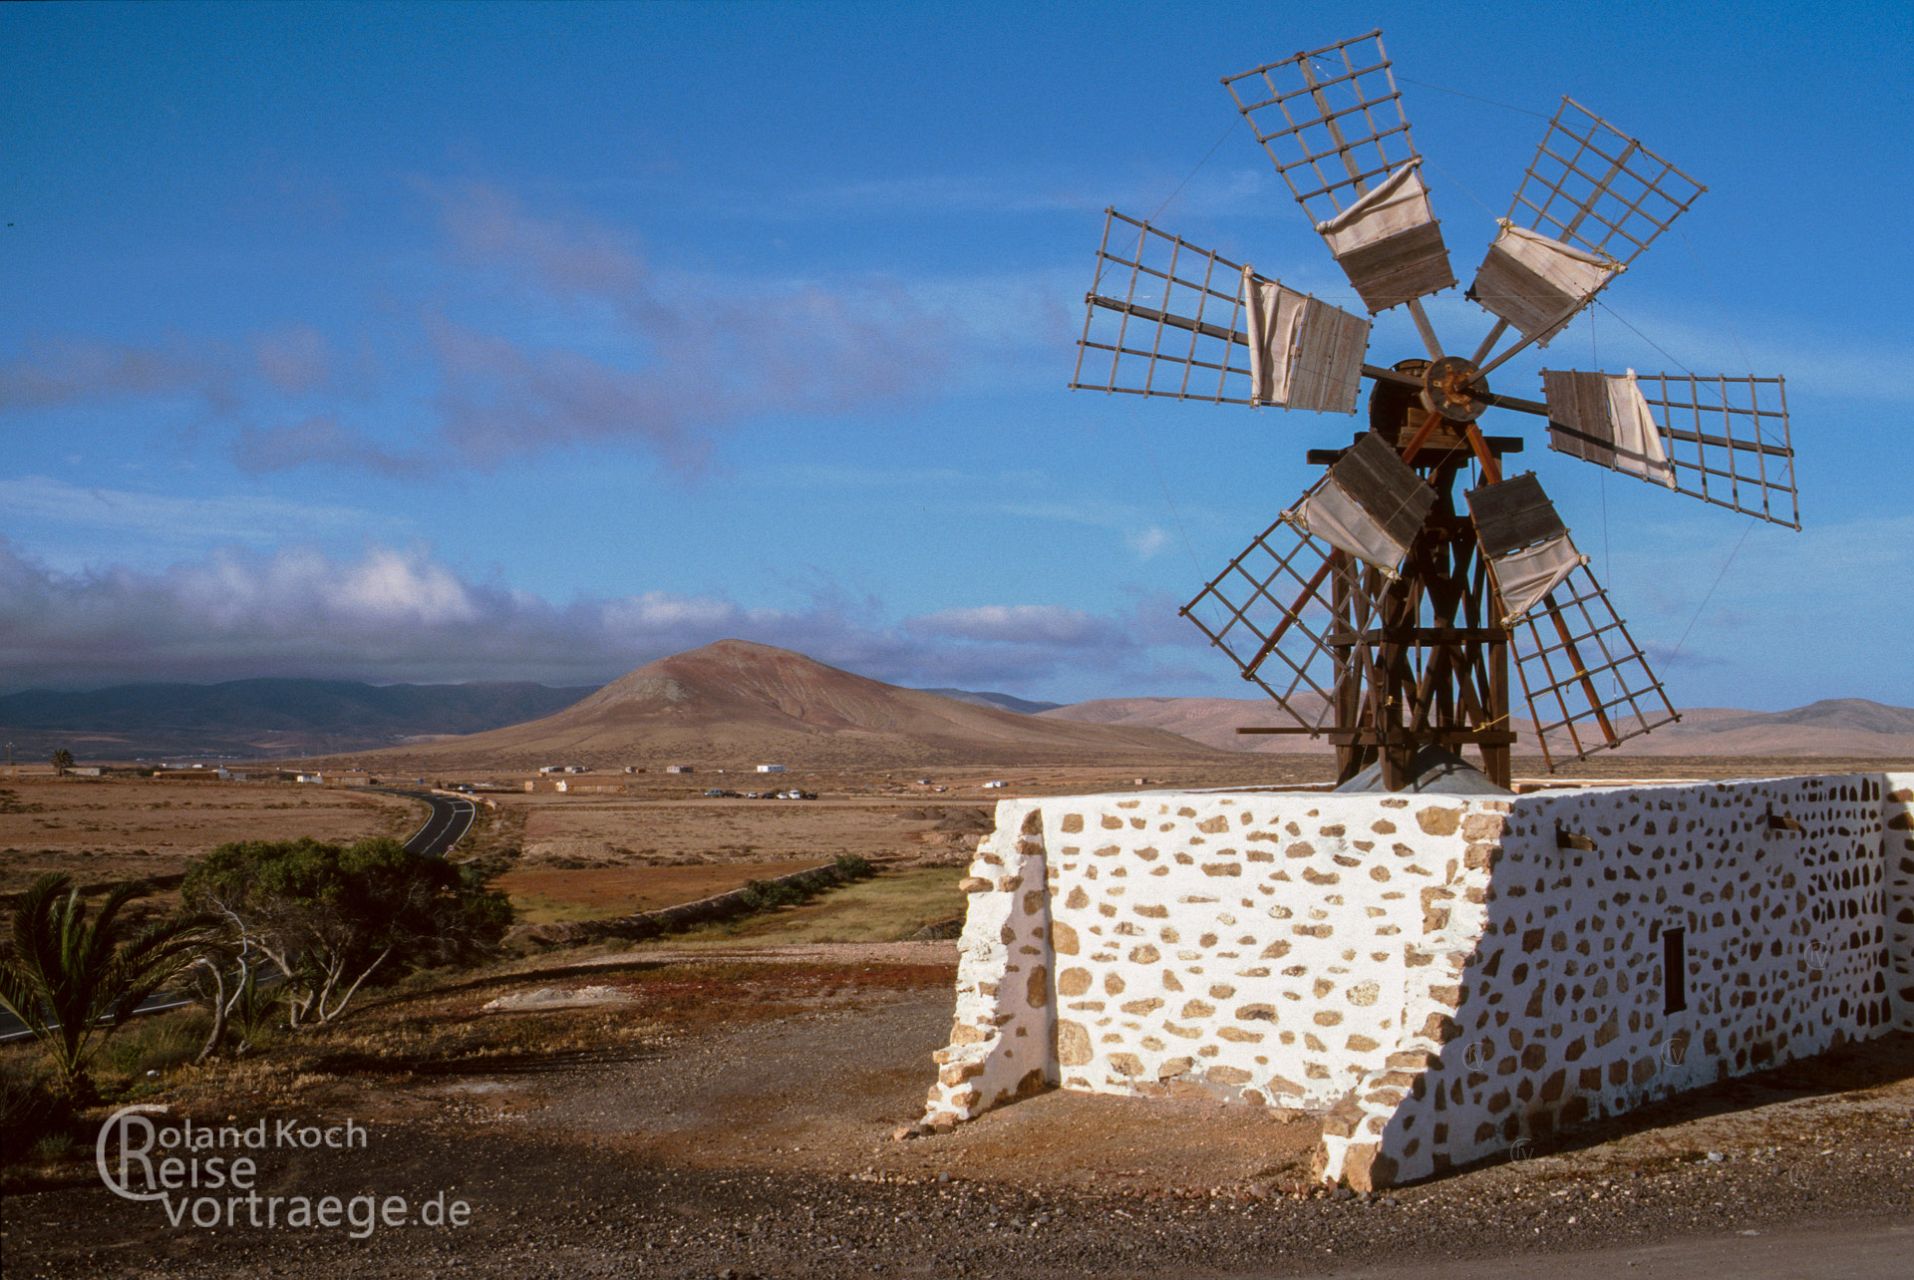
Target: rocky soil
[{"x": 764, "y": 1150}]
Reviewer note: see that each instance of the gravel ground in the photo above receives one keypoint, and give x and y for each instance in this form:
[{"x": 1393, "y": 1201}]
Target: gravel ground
[{"x": 762, "y": 1151}]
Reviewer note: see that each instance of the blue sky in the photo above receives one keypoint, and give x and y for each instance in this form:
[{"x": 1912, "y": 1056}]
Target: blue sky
[{"x": 441, "y": 343}]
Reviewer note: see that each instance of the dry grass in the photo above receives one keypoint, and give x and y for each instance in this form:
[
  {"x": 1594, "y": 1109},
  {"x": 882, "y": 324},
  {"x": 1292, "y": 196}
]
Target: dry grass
[
  {"x": 103, "y": 829},
  {"x": 888, "y": 908},
  {"x": 547, "y": 895}
]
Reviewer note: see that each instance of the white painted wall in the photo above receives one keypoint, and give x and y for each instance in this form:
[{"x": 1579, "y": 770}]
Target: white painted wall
[{"x": 1439, "y": 977}]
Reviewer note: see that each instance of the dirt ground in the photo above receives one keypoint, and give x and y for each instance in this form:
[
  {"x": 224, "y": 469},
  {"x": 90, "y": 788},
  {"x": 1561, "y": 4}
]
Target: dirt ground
[
  {"x": 543, "y": 894},
  {"x": 123, "y": 828},
  {"x": 738, "y": 1124}
]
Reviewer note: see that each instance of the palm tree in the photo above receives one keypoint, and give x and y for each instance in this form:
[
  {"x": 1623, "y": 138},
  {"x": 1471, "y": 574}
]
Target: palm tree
[
  {"x": 62, "y": 761},
  {"x": 72, "y": 980}
]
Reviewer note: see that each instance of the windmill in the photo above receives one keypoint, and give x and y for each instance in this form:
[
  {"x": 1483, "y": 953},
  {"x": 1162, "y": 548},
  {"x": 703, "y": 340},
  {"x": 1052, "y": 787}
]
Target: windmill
[{"x": 1377, "y": 610}]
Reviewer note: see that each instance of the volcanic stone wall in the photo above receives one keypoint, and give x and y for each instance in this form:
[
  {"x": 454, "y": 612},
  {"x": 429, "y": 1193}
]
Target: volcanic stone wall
[
  {"x": 1898, "y": 815},
  {"x": 1440, "y": 978},
  {"x": 1768, "y": 899}
]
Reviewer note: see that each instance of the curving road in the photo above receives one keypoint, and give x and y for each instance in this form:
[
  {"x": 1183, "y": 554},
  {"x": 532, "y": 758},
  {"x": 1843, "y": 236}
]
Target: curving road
[{"x": 451, "y": 818}]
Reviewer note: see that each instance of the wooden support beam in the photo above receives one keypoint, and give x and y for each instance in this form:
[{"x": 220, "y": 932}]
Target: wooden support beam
[
  {"x": 1275, "y": 637},
  {"x": 1429, "y": 423},
  {"x": 1491, "y": 469},
  {"x": 1581, "y": 671}
]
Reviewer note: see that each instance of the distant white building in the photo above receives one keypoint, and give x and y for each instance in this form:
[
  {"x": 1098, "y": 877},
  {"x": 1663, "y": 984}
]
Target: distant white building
[{"x": 770, "y": 768}]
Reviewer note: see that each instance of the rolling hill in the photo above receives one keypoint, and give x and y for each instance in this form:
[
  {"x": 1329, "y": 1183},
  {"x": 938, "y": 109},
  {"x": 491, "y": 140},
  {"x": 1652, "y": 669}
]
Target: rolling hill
[
  {"x": 735, "y": 703},
  {"x": 1002, "y": 701},
  {"x": 1840, "y": 728}
]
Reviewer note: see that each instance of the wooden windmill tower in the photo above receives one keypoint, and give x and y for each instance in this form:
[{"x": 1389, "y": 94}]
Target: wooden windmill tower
[{"x": 1384, "y": 609}]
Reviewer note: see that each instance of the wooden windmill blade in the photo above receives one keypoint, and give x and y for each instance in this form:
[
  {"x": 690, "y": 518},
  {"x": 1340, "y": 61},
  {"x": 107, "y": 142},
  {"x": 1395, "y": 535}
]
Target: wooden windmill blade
[
  {"x": 1165, "y": 317},
  {"x": 1591, "y": 201},
  {"x": 1331, "y": 121},
  {"x": 1589, "y": 688},
  {"x": 1724, "y": 440},
  {"x": 1369, "y": 505},
  {"x": 1273, "y": 610},
  {"x": 1524, "y": 543}
]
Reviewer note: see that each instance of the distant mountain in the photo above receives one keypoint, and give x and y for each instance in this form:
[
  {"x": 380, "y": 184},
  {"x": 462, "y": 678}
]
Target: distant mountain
[
  {"x": 736, "y": 703},
  {"x": 1837, "y": 728},
  {"x": 1211, "y": 721},
  {"x": 262, "y": 718},
  {"x": 1001, "y": 701},
  {"x": 733, "y": 701}
]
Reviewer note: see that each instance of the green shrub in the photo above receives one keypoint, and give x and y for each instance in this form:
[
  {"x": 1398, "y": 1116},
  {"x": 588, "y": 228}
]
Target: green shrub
[{"x": 330, "y": 917}]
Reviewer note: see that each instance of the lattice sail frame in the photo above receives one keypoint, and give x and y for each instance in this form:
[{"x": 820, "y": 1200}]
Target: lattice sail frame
[
  {"x": 1683, "y": 405},
  {"x": 1165, "y": 317},
  {"x": 1271, "y": 609},
  {"x": 1594, "y": 187},
  {"x": 1298, "y": 115},
  {"x": 1726, "y": 439},
  {"x": 1566, "y": 649},
  {"x": 1369, "y": 204},
  {"x": 1178, "y": 279}
]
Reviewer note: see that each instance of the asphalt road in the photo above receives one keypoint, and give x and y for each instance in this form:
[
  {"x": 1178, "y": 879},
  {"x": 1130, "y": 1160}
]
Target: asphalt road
[{"x": 451, "y": 818}]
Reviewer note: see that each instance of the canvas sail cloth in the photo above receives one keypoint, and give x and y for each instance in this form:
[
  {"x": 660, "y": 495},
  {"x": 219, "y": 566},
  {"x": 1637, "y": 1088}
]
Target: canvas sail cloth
[
  {"x": 1303, "y": 354},
  {"x": 1538, "y": 284},
  {"x": 1603, "y": 418},
  {"x": 1371, "y": 504},
  {"x": 1388, "y": 242},
  {"x": 1524, "y": 541}
]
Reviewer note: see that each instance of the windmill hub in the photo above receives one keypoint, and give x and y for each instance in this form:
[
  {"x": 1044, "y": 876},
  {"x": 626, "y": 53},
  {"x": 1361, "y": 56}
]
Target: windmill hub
[{"x": 1455, "y": 388}]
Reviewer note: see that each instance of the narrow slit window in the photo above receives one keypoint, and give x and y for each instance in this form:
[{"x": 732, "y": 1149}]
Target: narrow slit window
[{"x": 1674, "y": 968}]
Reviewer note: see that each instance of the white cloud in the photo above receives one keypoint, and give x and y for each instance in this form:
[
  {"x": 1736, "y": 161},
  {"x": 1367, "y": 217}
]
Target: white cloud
[
  {"x": 1148, "y": 541},
  {"x": 401, "y": 615}
]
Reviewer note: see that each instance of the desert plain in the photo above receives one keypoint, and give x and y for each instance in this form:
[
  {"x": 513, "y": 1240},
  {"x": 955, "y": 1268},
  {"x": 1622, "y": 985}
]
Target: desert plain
[
  {"x": 723, "y": 1101},
  {"x": 728, "y": 1098}
]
